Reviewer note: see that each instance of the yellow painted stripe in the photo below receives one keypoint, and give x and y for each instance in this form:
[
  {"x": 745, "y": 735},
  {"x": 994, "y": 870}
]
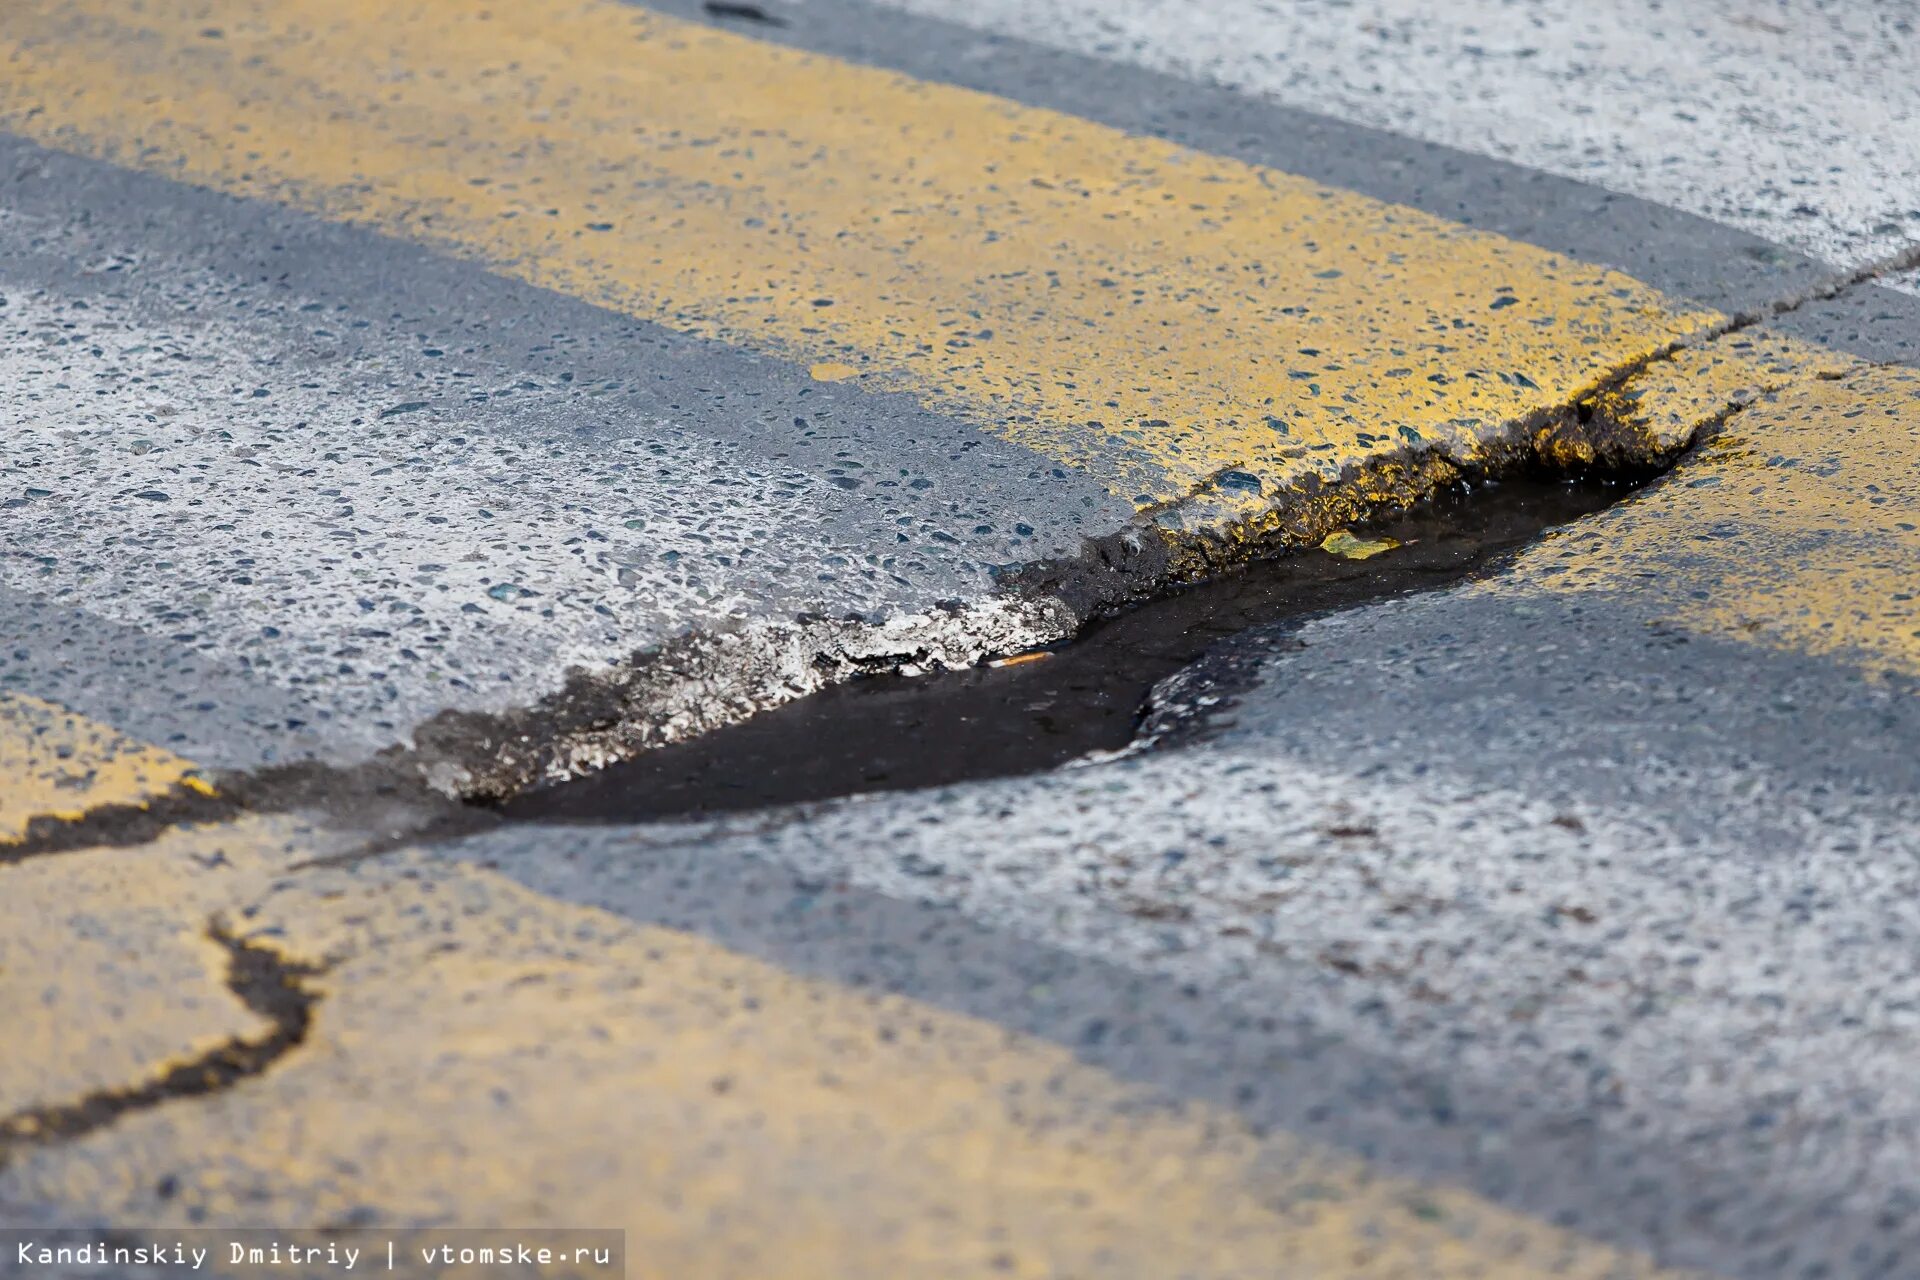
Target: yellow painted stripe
[
  {"x": 107, "y": 976},
  {"x": 481, "y": 1053},
  {"x": 1797, "y": 527},
  {"x": 1153, "y": 314},
  {"x": 1668, "y": 402},
  {"x": 56, "y": 764}
]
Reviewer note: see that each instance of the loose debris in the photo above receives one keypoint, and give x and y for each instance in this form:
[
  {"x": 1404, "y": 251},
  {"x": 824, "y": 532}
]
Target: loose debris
[{"x": 1345, "y": 544}]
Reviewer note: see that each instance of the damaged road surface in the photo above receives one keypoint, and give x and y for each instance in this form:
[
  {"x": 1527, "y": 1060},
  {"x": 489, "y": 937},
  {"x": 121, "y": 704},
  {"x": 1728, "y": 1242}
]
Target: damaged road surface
[
  {"x": 554, "y": 560},
  {"x": 1038, "y": 710},
  {"x": 391, "y": 497}
]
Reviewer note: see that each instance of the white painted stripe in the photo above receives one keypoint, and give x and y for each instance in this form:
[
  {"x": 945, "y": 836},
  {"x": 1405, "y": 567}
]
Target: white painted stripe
[
  {"x": 1591, "y": 952},
  {"x": 387, "y": 550},
  {"x": 1798, "y": 120}
]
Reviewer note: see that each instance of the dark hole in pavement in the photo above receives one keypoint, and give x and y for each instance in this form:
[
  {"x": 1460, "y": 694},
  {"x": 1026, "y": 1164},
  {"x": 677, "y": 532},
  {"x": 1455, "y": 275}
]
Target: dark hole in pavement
[{"x": 889, "y": 732}]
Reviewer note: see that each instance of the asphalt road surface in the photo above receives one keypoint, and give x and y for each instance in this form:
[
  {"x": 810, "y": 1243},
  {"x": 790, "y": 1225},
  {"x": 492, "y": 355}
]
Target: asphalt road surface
[{"x": 1074, "y": 638}]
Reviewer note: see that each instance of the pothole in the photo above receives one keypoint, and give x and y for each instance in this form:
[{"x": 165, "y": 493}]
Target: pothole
[{"x": 889, "y": 732}]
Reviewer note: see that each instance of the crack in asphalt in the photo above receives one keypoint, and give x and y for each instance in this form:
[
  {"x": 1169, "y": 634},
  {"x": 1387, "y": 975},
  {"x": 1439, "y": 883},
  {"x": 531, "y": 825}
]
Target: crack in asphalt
[
  {"x": 266, "y": 982},
  {"x": 118, "y": 825},
  {"x": 1902, "y": 259},
  {"x": 396, "y": 795},
  {"x": 1145, "y": 562},
  {"x": 462, "y": 763},
  {"x": 1069, "y": 702}
]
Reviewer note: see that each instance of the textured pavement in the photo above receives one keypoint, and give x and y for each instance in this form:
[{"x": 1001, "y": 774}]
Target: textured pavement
[
  {"x": 410, "y": 404},
  {"x": 1786, "y": 121}
]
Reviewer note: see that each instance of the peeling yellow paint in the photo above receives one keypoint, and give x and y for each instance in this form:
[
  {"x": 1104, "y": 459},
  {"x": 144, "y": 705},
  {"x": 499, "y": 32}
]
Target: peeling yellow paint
[
  {"x": 1120, "y": 303},
  {"x": 1797, "y": 526},
  {"x": 57, "y": 764},
  {"x": 484, "y": 1054}
]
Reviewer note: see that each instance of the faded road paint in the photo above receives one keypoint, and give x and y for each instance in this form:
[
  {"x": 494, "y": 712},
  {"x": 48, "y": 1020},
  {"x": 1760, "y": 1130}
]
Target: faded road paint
[
  {"x": 1798, "y": 526},
  {"x": 56, "y": 764},
  {"x": 1153, "y": 314},
  {"x": 737, "y": 1120}
]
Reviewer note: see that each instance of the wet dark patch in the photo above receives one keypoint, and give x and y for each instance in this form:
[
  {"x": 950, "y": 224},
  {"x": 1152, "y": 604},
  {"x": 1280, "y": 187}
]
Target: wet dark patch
[
  {"x": 264, "y": 981},
  {"x": 889, "y": 732}
]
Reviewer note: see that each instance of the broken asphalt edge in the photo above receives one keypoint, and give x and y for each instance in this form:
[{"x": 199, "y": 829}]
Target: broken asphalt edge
[{"x": 460, "y": 762}]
